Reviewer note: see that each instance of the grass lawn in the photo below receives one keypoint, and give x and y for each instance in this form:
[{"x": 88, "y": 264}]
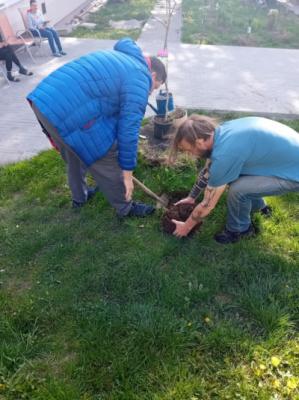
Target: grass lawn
[
  {"x": 92, "y": 308},
  {"x": 132, "y": 9},
  {"x": 204, "y": 24}
]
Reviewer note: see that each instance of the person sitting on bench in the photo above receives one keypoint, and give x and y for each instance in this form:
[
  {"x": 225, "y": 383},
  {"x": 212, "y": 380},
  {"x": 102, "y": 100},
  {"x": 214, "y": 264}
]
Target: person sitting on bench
[
  {"x": 8, "y": 55},
  {"x": 38, "y": 27}
]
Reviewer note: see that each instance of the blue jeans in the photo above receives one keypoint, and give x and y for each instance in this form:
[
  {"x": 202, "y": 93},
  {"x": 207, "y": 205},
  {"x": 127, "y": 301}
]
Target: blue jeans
[
  {"x": 52, "y": 37},
  {"x": 245, "y": 195}
]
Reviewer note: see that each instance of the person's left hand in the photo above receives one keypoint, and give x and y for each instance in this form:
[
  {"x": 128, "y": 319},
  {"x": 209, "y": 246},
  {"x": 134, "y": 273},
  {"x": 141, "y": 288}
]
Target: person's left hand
[
  {"x": 129, "y": 185},
  {"x": 182, "y": 229}
]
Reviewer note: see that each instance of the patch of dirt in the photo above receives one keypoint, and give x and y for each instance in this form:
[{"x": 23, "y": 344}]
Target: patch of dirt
[
  {"x": 158, "y": 144},
  {"x": 175, "y": 114},
  {"x": 181, "y": 212},
  {"x": 178, "y": 113},
  {"x": 17, "y": 286},
  {"x": 154, "y": 150},
  {"x": 176, "y": 196},
  {"x": 223, "y": 298}
]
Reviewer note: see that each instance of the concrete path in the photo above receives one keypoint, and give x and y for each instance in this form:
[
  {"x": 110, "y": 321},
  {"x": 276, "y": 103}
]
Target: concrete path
[
  {"x": 224, "y": 78},
  {"x": 227, "y": 78},
  {"x": 291, "y": 6},
  {"x": 153, "y": 30}
]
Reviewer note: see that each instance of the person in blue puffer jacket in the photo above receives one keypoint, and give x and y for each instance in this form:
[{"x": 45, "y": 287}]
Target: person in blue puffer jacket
[{"x": 91, "y": 109}]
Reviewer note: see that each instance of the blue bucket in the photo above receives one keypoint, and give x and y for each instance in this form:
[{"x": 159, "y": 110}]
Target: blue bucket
[{"x": 161, "y": 100}]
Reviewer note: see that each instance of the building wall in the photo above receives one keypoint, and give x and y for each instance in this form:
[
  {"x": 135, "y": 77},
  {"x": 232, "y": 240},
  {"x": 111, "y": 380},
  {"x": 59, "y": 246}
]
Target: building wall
[{"x": 56, "y": 10}]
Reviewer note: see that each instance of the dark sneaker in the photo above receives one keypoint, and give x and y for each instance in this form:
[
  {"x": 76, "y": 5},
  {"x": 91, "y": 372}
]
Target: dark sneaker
[
  {"x": 140, "y": 210},
  {"x": 90, "y": 194},
  {"x": 226, "y": 236},
  {"x": 77, "y": 204},
  {"x": 12, "y": 78},
  {"x": 62, "y": 53},
  {"x": 25, "y": 71},
  {"x": 266, "y": 211},
  {"x": 56, "y": 55}
]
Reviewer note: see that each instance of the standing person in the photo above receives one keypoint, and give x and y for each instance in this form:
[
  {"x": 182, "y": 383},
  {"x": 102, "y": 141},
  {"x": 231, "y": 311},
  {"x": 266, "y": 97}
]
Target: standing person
[
  {"x": 92, "y": 108},
  {"x": 254, "y": 157},
  {"x": 8, "y": 55},
  {"x": 38, "y": 27}
]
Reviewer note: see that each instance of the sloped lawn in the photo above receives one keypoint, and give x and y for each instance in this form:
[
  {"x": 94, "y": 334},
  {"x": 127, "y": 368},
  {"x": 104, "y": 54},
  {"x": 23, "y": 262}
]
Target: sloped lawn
[
  {"x": 130, "y": 9},
  {"x": 94, "y": 308},
  {"x": 226, "y": 24}
]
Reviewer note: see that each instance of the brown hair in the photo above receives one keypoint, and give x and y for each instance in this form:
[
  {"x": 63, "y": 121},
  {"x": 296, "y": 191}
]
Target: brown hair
[
  {"x": 195, "y": 127},
  {"x": 158, "y": 67}
]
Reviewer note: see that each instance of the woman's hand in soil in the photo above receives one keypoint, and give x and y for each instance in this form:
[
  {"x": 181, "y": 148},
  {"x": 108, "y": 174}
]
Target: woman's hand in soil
[
  {"x": 182, "y": 229},
  {"x": 186, "y": 200}
]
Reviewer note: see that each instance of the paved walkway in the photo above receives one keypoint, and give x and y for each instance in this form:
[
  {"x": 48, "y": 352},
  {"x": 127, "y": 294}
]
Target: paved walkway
[
  {"x": 154, "y": 30},
  {"x": 256, "y": 80},
  {"x": 224, "y": 78},
  {"x": 291, "y": 6}
]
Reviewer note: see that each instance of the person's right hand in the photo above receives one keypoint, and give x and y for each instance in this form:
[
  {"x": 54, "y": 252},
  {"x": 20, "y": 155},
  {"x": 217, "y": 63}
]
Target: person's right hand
[{"x": 186, "y": 200}]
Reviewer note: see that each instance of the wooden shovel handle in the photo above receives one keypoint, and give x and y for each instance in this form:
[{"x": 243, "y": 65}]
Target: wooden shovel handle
[{"x": 149, "y": 192}]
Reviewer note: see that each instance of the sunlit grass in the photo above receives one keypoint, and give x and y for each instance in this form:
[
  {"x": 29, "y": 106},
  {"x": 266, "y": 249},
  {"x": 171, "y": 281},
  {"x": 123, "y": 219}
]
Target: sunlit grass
[
  {"x": 133, "y": 9},
  {"x": 94, "y": 308},
  {"x": 227, "y": 24}
]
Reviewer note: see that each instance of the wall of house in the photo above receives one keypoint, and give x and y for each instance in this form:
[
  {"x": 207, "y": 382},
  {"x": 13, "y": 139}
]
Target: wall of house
[{"x": 56, "y": 10}]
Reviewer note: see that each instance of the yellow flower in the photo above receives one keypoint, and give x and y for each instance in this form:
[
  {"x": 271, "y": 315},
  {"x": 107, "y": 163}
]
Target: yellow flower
[
  {"x": 262, "y": 367},
  {"x": 189, "y": 324},
  {"x": 276, "y": 383},
  {"x": 292, "y": 382},
  {"x": 275, "y": 361},
  {"x": 207, "y": 320}
]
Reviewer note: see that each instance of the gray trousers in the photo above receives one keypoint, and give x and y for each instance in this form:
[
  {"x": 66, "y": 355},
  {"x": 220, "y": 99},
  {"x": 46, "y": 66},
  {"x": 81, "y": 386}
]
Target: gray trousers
[
  {"x": 246, "y": 195},
  {"x": 106, "y": 171}
]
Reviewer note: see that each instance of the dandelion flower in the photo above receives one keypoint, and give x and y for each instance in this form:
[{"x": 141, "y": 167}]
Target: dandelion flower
[
  {"x": 292, "y": 382},
  {"x": 275, "y": 361}
]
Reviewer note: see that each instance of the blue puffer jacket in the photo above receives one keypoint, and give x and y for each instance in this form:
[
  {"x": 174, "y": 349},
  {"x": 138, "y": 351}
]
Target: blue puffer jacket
[{"x": 98, "y": 99}]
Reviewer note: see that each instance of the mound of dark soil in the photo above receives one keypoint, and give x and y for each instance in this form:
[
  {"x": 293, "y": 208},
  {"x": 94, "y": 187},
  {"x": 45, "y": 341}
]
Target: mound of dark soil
[{"x": 180, "y": 212}]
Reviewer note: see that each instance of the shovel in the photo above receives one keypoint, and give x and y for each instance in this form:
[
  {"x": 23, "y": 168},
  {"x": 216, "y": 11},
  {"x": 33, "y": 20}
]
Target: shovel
[{"x": 163, "y": 200}]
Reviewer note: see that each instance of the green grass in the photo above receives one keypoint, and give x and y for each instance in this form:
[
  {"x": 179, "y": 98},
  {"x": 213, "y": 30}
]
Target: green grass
[
  {"x": 132, "y": 9},
  {"x": 203, "y": 24},
  {"x": 93, "y": 308}
]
